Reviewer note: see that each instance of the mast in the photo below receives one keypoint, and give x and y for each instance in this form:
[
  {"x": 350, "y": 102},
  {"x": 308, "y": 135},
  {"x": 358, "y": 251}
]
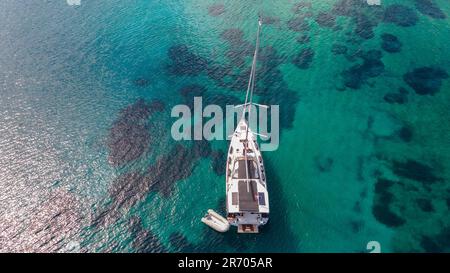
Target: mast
[
  {"x": 251, "y": 82},
  {"x": 248, "y": 100}
]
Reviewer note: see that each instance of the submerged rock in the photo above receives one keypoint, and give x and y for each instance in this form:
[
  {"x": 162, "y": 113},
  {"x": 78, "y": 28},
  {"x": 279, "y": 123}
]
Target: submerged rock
[
  {"x": 239, "y": 49},
  {"x": 425, "y": 204},
  {"x": 216, "y": 10},
  {"x": 201, "y": 149},
  {"x": 358, "y": 74},
  {"x": 325, "y": 19},
  {"x": 238, "y": 53},
  {"x": 426, "y": 80},
  {"x": 190, "y": 91},
  {"x": 233, "y": 35},
  {"x": 298, "y": 24},
  {"x": 371, "y": 55},
  {"x": 301, "y": 6},
  {"x": 193, "y": 90},
  {"x": 400, "y": 15},
  {"x": 129, "y": 136},
  {"x": 304, "y": 59},
  {"x": 429, "y": 8},
  {"x": 348, "y": 7},
  {"x": 353, "y": 77},
  {"x": 430, "y": 245},
  {"x": 126, "y": 190},
  {"x": 219, "y": 159},
  {"x": 364, "y": 17},
  {"x": 181, "y": 244},
  {"x": 269, "y": 59},
  {"x": 185, "y": 62},
  {"x": 415, "y": 170},
  {"x": 219, "y": 72},
  {"x": 437, "y": 243},
  {"x": 364, "y": 26},
  {"x": 163, "y": 175},
  {"x": 236, "y": 82},
  {"x": 132, "y": 187},
  {"x": 405, "y": 134},
  {"x": 281, "y": 95},
  {"x": 381, "y": 208},
  {"x": 145, "y": 241},
  {"x": 338, "y": 49},
  {"x": 390, "y": 43}
]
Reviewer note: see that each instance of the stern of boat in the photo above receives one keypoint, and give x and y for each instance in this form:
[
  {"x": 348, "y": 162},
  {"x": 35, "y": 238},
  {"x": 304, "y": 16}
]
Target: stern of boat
[{"x": 248, "y": 229}]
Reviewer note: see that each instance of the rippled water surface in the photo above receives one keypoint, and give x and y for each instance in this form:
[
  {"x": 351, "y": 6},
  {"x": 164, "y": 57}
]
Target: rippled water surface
[{"x": 86, "y": 158}]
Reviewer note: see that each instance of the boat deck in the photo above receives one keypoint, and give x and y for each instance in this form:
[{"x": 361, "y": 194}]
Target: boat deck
[{"x": 248, "y": 193}]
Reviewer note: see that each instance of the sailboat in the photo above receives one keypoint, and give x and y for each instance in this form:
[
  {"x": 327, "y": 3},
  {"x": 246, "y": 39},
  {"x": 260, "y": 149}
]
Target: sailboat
[{"x": 247, "y": 198}]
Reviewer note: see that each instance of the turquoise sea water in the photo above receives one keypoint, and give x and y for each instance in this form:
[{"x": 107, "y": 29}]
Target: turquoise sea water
[{"x": 86, "y": 157}]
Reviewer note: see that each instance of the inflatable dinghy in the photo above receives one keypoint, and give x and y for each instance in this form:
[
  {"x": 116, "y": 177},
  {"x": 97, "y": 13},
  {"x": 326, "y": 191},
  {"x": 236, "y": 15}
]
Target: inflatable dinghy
[{"x": 216, "y": 221}]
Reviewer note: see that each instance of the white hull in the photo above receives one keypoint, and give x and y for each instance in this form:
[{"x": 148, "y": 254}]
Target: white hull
[{"x": 247, "y": 198}]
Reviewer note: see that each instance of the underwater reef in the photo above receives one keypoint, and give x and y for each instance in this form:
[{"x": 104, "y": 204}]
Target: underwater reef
[
  {"x": 129, "y": 136},
  {"x": 303, "y": 39},
  {"x": 298, "y": 24},
  {"x": 216, "y": 9},
  {"x": 406, "y": 134},
  {"x": 325, "y": 19},
  {"x": 358, "y": 74},
  {"x": 185, "y": 62},
  {"x": 426, "y": 80},
  {"x": 145, "y": 241},
  {"x": 429, "y": 8},
  {"x": 301, "y": 6},
  {"x": 401, "y": 15},
  {"x": 304, "y": 59},
  {"x": 399, "y": 97},
  {"x": 390, "y": 43},
  {"x": 408, "y": 203},
  {"x": 411, "y": 185},
  {"x": 381, "y": 208}
]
